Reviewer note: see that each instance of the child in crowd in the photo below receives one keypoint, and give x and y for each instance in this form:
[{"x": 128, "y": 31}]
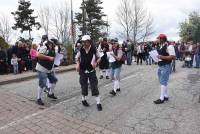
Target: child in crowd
[{"x": 14, "y": 63}]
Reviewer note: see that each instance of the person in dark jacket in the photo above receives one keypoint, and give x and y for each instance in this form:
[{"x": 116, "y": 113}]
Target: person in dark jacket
[{"x": 3, "y": 65}]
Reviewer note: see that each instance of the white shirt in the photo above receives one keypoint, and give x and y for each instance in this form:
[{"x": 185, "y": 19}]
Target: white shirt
[
  {"x": 171, "y": 50},
  {"x": 94, "y": 56},
  {"x": 14, "y": 61},
  {"x": 42, "y": 50}
]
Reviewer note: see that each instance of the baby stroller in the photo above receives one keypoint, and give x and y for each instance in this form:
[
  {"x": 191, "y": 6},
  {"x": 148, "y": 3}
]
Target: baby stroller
[{"x": 187, "y": 59}]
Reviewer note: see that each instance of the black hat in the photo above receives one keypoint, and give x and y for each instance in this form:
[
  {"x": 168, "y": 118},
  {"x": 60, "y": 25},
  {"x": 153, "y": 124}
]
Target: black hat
[
  {"x": 55, "y": 41},
  {"x": 45, "y": 37},
  {"x": 104, "y": 39}
]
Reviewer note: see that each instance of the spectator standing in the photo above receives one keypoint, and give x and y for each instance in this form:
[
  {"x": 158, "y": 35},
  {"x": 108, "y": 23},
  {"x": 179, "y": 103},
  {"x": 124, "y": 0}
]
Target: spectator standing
[
  {"x": 3, "y": 65},
  {"x": 33, "y": 54},
  {"x": 14, "y": 63}
]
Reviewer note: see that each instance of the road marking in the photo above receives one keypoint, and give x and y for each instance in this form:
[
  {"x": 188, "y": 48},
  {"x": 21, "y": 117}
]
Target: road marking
[
  {"x": 128, "y": 77},
  {"x": 23, "y": 119},
  {"x": 40, "y": 112},
  {"x": 131, "y": 76}
]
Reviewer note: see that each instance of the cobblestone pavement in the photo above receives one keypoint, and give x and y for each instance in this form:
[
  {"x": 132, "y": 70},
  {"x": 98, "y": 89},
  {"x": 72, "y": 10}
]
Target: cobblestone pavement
[
  {"x": 20, "y": 116},
  {"x": 130, "y": 112}
]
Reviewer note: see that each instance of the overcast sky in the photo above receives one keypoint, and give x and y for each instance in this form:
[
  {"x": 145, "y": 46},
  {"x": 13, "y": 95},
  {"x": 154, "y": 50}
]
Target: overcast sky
[{"x": 167, "y": 14}]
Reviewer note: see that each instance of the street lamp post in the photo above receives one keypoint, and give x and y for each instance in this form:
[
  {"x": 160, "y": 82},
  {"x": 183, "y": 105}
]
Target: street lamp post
[
  {"x": 72, "y": 25},
  {"x": 84, "y": 18}
]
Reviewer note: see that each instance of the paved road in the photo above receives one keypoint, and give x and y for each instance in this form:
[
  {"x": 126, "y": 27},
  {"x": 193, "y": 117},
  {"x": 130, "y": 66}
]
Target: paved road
[{"x": 130, "y": 112}]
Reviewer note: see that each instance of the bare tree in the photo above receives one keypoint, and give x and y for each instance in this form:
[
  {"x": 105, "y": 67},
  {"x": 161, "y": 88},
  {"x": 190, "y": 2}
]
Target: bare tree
[
  {"x": 132, "y": 17},
  {"x": 148, "y": 28},
  {"x": 60, "y": 23},
  {"x": 139, "y": 18},
  {"x": 45, "y": 16},
  {"x": 5, "y": 28},
  {"x": 125, "y": 15}
]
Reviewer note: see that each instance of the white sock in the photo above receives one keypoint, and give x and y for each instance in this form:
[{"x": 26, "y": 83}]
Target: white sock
[
  {"x": 83, "y": 98},
  {"x": 166, "y": 92},
  {"x": 107, "y": 72},
  {"x": 115, "y": 85},
  {"x": 48, "y": 83},
  {"x": 39, "y": 93},
  {"x": 101, "y": 72},
  {"x": 98, "y": 99},
  {"x": 162, "y": 92},
  {"x": 52, "y": 87},
  {"x": 118, "y": 84}
]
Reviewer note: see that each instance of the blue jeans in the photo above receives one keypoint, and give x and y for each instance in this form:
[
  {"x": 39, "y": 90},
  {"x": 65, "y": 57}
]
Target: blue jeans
[
  {"x": 15, "y": 69},
  {"x": 173, "y": 66},
  {"x": 43, "y": 78},
  {"x": 115, "y": 73},
  {"x": 129, "y": 58},
  {"x": 191, "y": 62},
  {"x": 148, "y": 59},
  {"x": 163, "y": 74},
  {"x": 197, "y": 60}
]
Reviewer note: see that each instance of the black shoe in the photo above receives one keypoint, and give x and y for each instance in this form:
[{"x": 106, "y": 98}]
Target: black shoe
[
  {"x": 101, "y": 77},
  {"x": 39, "y": 102},
  {"x": 99, "y": 107},
  {"x": 113, "y": 92},
  {"x": 46, "y": 90},
  {"x": 159, "y": 101},
  {"x": 52, "y": 96},
  {"x": 118, "y": 90},
  {"x": 107, "y": 77},
  {"x": 166, "y": 98},
  {"x": 85, "y": 103}
]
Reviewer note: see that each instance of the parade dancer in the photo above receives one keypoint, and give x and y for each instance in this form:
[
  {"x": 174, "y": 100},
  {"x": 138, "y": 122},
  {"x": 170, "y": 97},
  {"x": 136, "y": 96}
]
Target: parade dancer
[
  {"x": 87, "y": 59},
  {"x": 116, "y": 67},
  {"x": 166, "y": 55},
  {"x": 58, "y": 57},
  {"x": 104, "y": 64},
  {"x": 44, "y": 67}
]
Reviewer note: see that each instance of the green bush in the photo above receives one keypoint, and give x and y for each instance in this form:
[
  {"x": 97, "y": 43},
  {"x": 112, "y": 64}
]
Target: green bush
[
  {"x": 3, "y": 43},
  {"x": 69, "y": 51}
]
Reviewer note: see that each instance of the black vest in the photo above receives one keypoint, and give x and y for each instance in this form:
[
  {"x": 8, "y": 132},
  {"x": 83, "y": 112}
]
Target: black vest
[
  {"x": 86, "y": 59},
  {"x": 46, "y": 63},
  {"x": 163, "y": 52},
  {"x": 116, "y": 64}
]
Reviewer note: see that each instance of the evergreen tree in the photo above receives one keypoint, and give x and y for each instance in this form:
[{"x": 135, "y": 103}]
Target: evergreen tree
[
  {"x": 94, "y": 24},
  {"x": 190, "y": 29},
  {"x": 24, "y": 18},
  {"x": 3, "y": 43}
]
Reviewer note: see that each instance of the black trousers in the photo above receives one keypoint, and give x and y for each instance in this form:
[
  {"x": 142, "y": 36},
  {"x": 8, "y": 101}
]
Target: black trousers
[
  {"x": 84, "y": 83},
  {"x": 139, "y": 58},
  {"x": 3, "y": 68}
]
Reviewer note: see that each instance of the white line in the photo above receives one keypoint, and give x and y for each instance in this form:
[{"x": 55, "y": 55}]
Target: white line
[
  {"x": 23, "y": 119},
  {"x": 40, "y": 112},
  {"x": 131, "y": 76}
]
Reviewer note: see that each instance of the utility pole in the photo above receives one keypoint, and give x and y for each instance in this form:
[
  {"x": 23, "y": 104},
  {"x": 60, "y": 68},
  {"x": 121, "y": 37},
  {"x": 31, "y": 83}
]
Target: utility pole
[
  {"x": 72, "y": 24},
  {"x": 107, "y": 27},
  {"x": 84, "y": 18}
]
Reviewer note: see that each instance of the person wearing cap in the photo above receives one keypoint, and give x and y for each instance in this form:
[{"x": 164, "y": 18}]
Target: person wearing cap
[
  {"x": 44, "y": 67},
  {"x": 43, "y": 40},
  {"x": 166, "y": 54},
  {"x": 58, "y": 57},
  {"x": 87, "y": 60},
  {"x": 116, "y": 66},
  {"x": 104, "y": 64}
]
